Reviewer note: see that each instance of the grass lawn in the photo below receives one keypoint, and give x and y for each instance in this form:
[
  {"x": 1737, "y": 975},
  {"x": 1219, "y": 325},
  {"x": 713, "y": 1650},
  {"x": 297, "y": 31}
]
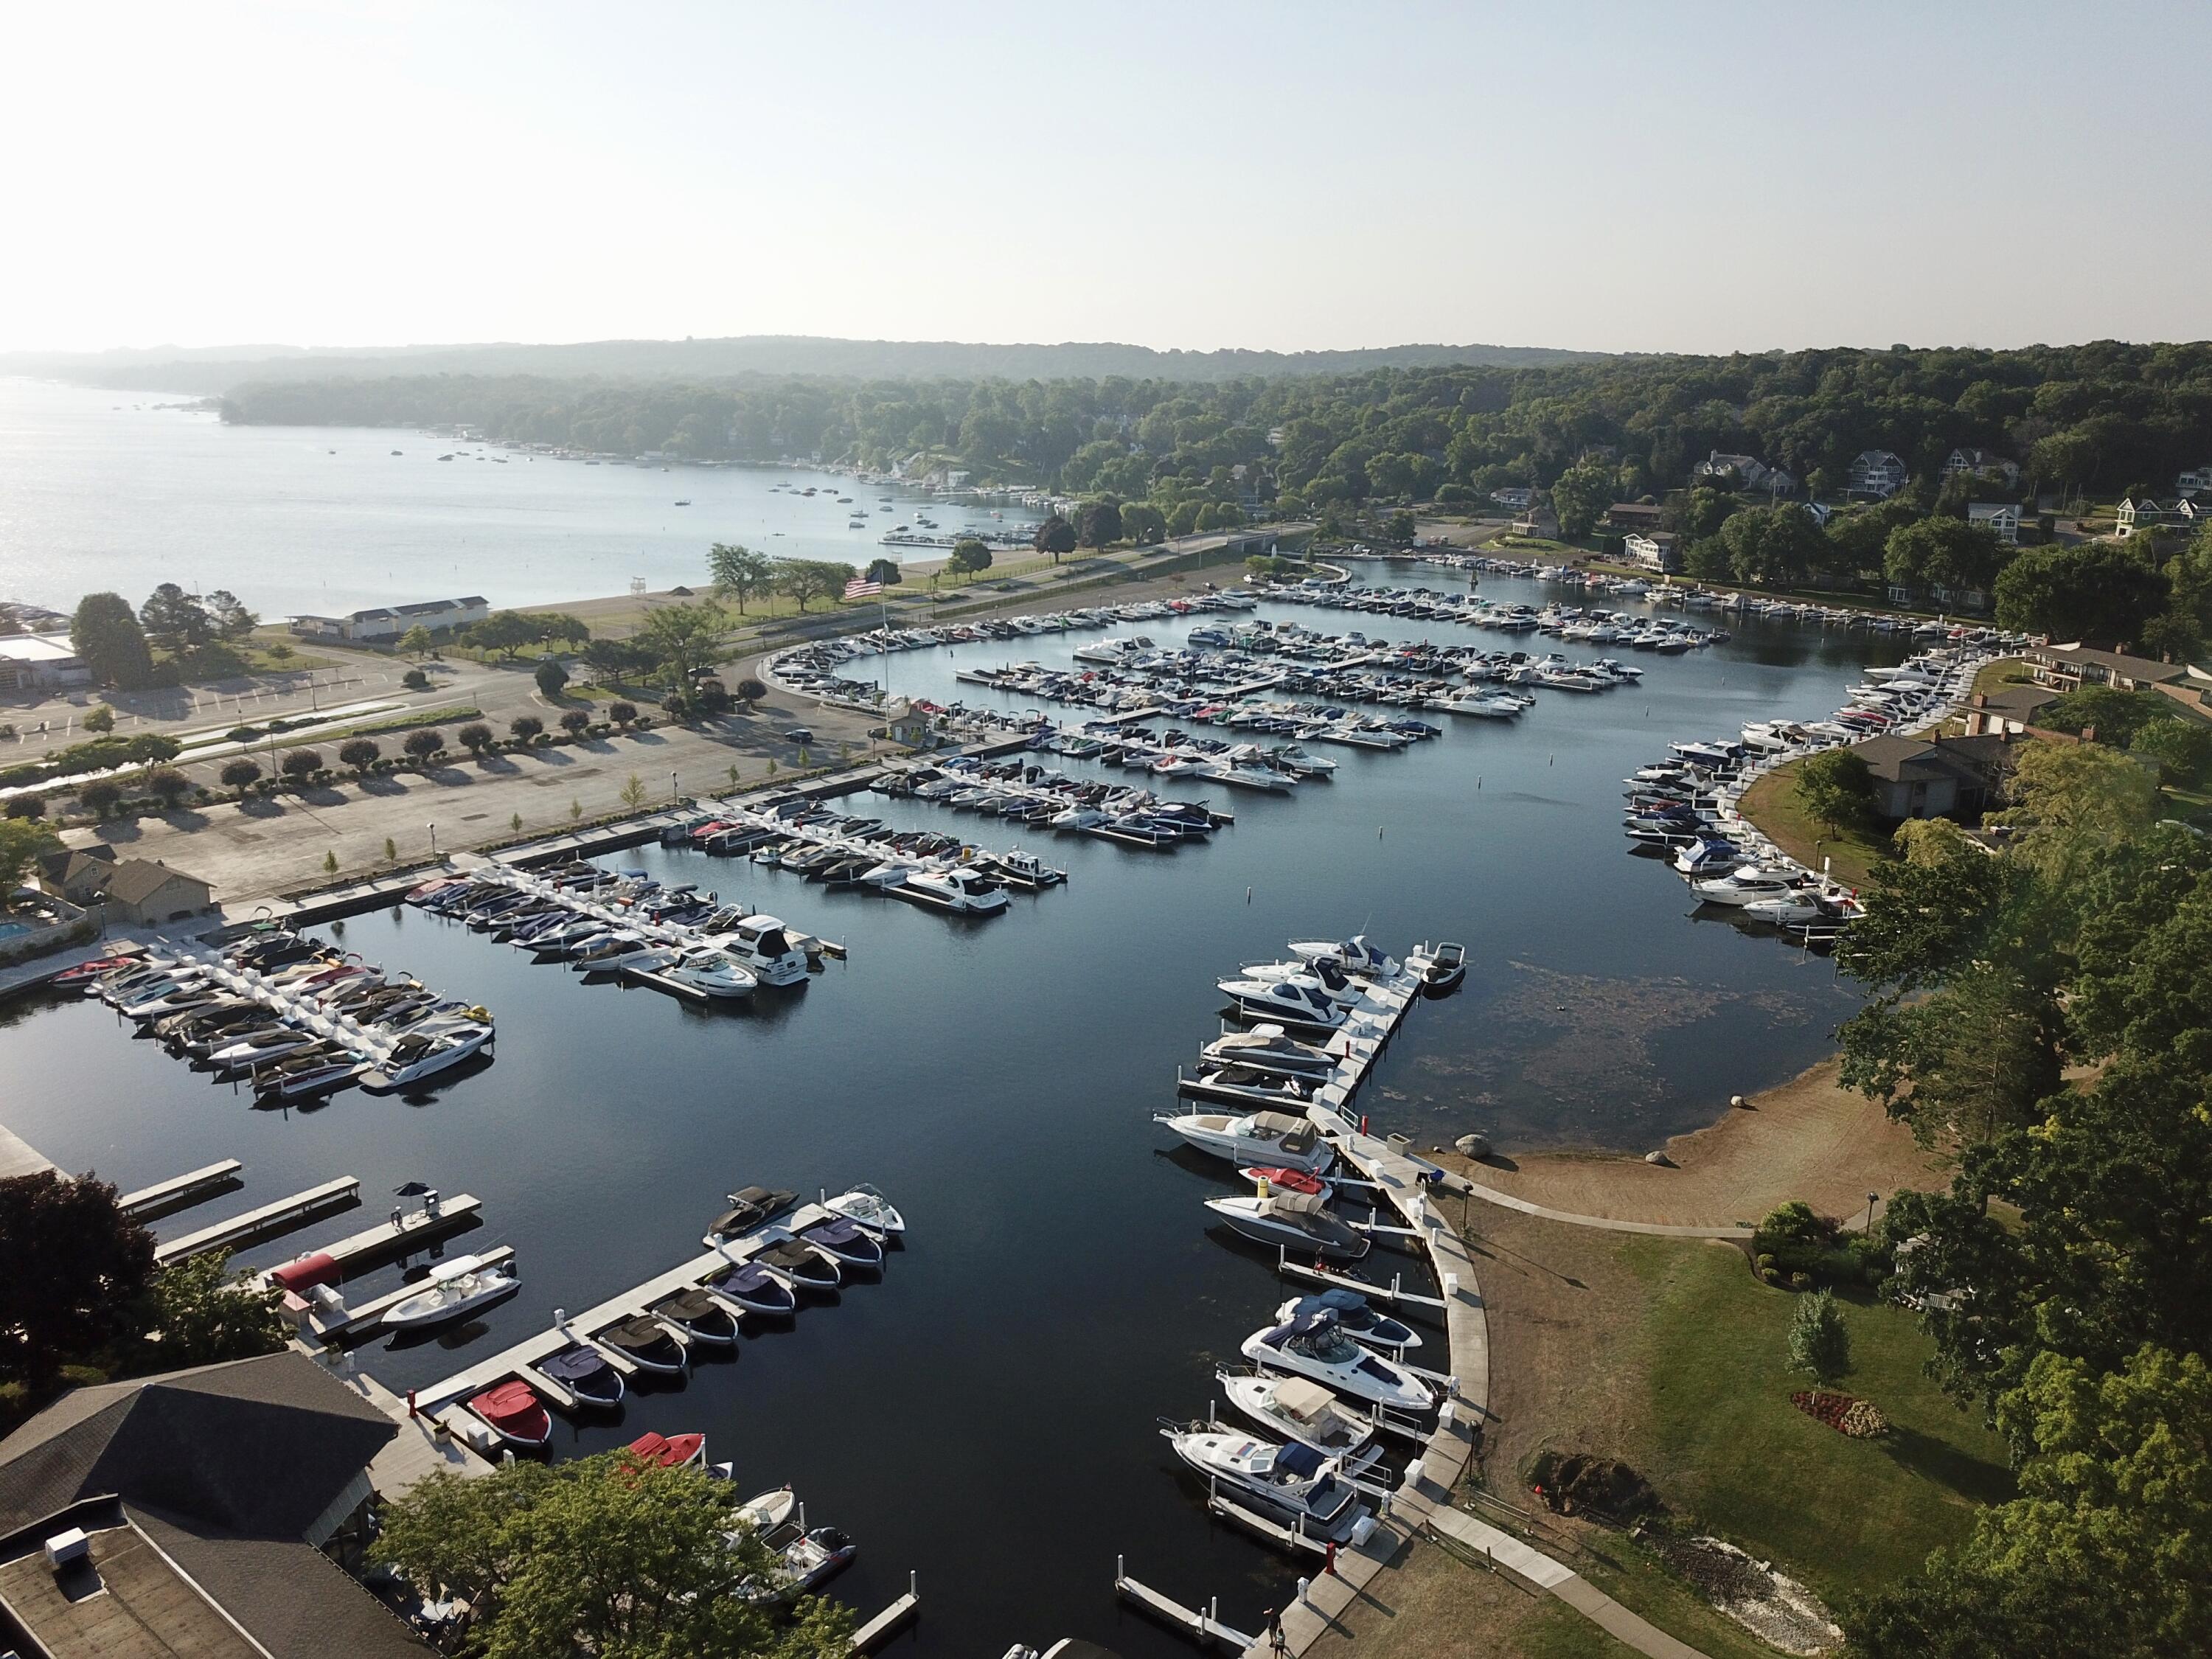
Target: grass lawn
[
  {"x": 2006, "y": 671},
  {"x": 1721, "y": 1443},
  {"x": 1773, "y": 804}
]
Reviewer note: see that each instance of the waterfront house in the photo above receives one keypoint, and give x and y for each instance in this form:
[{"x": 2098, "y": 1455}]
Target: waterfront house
[
  {"x": 143, "y": 890},
  {"x": 1633, "y": 515},
  {"x": 194, "y": 1513},
  {"x": 383, "y": 624},
  {"x": 1981, "y": 464},
  {"x": 1750, "y": 472},
  {"x": 2008, "y": 711},
  {"x": 1655, "y": 550},
  {"x": 2194, "y": 480},
  {"x": 1938, "y": 778},
  {"x": 2000, "y": 519},
  {"x": 2067, "y": 667},
  {"x": 2140, "y": 512},
  {"x": 1876, "y": 474}
]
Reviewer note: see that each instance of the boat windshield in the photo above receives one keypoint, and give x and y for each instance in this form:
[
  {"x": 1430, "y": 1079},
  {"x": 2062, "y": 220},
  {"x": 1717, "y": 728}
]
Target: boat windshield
[{"x": 1332, "y": 1347}]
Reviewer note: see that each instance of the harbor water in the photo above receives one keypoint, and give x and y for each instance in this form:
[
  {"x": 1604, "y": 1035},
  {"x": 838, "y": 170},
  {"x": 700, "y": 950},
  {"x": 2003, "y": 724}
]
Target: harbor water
[{"x": 986, "y": 1413}]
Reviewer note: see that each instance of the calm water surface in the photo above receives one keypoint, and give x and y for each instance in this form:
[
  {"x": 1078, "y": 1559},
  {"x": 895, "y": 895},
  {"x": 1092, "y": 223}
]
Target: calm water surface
[
  {"x": 126, "y": 491},
  {"x": 986, "y": 1413}
]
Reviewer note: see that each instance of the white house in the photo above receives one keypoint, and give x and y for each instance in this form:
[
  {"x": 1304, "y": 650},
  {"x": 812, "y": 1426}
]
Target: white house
[
  {"x": 1752, "y": 472},
  {"x": 2190, "y": 482},
  {"x": 1877, "y": 473},
  {"x": 1977, "y": 463},
  {"x": 1654, "y": 551},
  {"x": 2002, "y": 517},
  {"x": 391, "y": 621},
  {"x": 1515, "y": 496}
]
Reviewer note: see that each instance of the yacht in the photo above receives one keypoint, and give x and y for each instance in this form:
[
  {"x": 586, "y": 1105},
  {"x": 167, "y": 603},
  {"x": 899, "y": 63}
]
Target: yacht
[
  {"x": 1274, "y": 1139},
  {"x": 1358, "y": 1318},
  {"x": 261, "y": 1047},
  {"x": 1354, "y": 955},
  {"x": 1294, "y": 1481},
  {"x": 422, "y": 1053},
  {"x": 1292, "y": 1221},
  {"x": 714, "y": 974},
  {"x": 1315, "y": 1346},
  {"x": 762, "y": 944},
  {"x": 962, "y": 892},
  {"x": 1747, "y": 883},
  {"x": 454, "y": 1290},
  {"x": 312, "y": 1072},
  {"x": 1289, "y": 1000},
  {"x": 867, "y": 1206},
  {"x": 1268, "y": 1048},
  {"x": 1324, "y": 976},
  {"x": 1301, "y": 1411},
  {"x": 1026, "y": 869}
]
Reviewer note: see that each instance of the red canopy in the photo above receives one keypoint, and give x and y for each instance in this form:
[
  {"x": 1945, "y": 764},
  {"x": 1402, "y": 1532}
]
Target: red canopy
[{"x": 307, "y": 1272}]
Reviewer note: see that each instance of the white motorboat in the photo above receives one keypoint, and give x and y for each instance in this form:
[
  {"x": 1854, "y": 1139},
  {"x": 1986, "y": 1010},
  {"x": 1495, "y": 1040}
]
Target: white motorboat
[
  {"x": 1331, "y": 980},
  {"x": 1026, "y": 869},
  {"x": 962, "y": 892},
  {"x": 1291, "y": 1221},
  {"x": 762, "y": 944},
  {"x": 1354, "y": 955},
  {"x": 1302, "y": 1411},
  {"x": 259, "y": 1049},
  {"x": 867, "y": 1206},
  {"x": 1298, "y": 1003},
  {"x": 1314, "y": 1346},
  {"x": 1268, "y": 1048},
  {"x": 1442, "y": 967},
  {"x": 1746, "y": 883},
  {"x": 421, "y": 1054},
  {"x": 714, "y": 974},
  {"x": 1262, "y": 1140},
  {"x": 312, "y": 1072},
  {"x": 1245, "y": 775},
  {"x": 1358, "y": 1318},
  {"x": 454, "y": 1289},
  {"x": 1485, "y": 705},
  {"x": 1294, "y": 1480}
]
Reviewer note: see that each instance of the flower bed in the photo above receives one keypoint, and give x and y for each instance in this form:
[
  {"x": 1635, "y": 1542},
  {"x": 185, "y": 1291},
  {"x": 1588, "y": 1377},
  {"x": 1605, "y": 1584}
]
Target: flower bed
[{"x": 1847, "y": 1414}]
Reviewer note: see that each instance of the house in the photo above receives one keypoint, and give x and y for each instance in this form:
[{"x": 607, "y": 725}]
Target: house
[
  {"x": 1938, "y": 778},
  {"x": 2069, "y": 667},
  {"x": 1632, "y": 515},
  {"x": 2145, "y": 513},
  {"x": 1981, "y": 464},
  {"x": 392, "y": 622},
  {"x": 130, "y": 890},
  {"x": 2002, "y": 519},
  {"x": 190, "y": 1514},
  {"x": 1907, "y": 596},
  {"x": 2008, "y": 711},
  {"x": 1654, "y": 551},
  {"x": 1750, "y": 472},
  {"x": 1515, "y": 496},
  {"x": 1877, "y": 474},
  {"x": 2190, "y": 482},
  {"x": 40, "y": 662}
]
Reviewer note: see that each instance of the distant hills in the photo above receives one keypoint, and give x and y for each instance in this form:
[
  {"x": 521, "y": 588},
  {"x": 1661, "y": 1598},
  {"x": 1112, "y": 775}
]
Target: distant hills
[{"x": 211, "y": 370}]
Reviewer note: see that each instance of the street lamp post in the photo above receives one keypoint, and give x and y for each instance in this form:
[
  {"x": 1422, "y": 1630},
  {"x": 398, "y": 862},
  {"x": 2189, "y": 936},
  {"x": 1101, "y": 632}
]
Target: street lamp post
[
  {"x": 671, "y": 785},
  {"x": 433, "y": 840},
  {"x": 1871, "y": 1200}
]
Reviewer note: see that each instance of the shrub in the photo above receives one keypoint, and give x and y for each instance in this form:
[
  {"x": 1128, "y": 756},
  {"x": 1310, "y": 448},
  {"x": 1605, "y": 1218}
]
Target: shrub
[
  {"x": 574, "y": 721},
  {"x": 360, "y": 754},
  {"x": 526, "y": 728},
  {"x": 100, "y": 798},
  {"x": 299, "y": 764},
  {"x": 552, "y": 678},
  {"x": 1766, "y": 1261},
  {"x": 239, "y": 774},
  {"x": 169, "y": 785},
  {"x": 622, "y": 714},
  {"x": 1800, "y": 1281},
  {"x": 26, "y": 806},
  {"x": 424, "y": 742},
  {"x": 1770, "y": 1275},
  {"x": 1862, "y": 1420},
  {"x": 244, "y": 734},
  {"x": 416, "y": 680},
  {"x": 476, "y": 738}
]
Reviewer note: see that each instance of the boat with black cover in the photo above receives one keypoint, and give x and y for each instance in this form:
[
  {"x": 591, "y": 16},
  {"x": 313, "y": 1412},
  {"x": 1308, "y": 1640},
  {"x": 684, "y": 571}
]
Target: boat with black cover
[
  {"x": 584, "y": 1371},
  {"x": 700, "y": 1316},
  {"x": 645, "y": 1341}
]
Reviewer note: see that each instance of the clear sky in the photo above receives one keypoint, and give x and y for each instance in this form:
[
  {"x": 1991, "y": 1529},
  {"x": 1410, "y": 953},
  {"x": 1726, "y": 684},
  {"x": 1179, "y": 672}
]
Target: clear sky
[{"x": 1627, "y": 176}]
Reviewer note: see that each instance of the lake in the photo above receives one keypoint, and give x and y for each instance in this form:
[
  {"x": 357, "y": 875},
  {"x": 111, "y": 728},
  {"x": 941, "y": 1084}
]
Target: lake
[
  {"x": 103, "y": 489},
  {"x": 986, "y": 1413}
]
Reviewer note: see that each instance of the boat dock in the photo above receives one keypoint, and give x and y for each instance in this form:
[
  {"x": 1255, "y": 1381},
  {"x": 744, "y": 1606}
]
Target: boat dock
[
  {"x": 1204, "y": 1626},
  {"x": 442, "y": 1398},
  {"x": 880, "y": 1629},
  {"x": 266, "y": 1222},
  {"x": 181, "y": 1192},
  {"x": 401, "y": 1233},
  {"x": 334, "y": 1327},
  {"x": 19, "y": 1157}
]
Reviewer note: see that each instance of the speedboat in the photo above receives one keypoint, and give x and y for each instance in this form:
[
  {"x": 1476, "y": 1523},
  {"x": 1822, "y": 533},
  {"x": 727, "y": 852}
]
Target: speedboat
[
  {"x": 514, "y": 1412},
  {"x": 262, "y": 1047},
  {"x": 647, "y": 1343},
  {"x": 1749, "y": 882},
  {"x": 583, "y": 1370},
  {"x": 1291, "y": 1220},
  {"x": 454, "y": 1290},
  {"x": 1315, "y": 1346},
  {"x": 1354, "y": 955},
  {"x": 1026, "y": 869},
  {"x": 423, "y": 1053},
  {"x": 1442, "y": 967},
  {"x": 867, "y": 1206},
  {"x": 762, "y": 944},
  {"x": 1245, "y": 1085},
  {"x": 962, "y": 892},
  {"x": 715, "y": 974},
  {"x": 1290, "y": 1180},
  {"x": 1294, "y": 1480},
  {"x": 676, "y": 1451},
  {"x": 311, "y": 1071},
  {"x": 1275, "y": 1138},
  {"x": 1357, "y": 1317},
  {"x": 751, "y": 1288},
  {"x": 1292, "y": 1001},
  {"x": 852, "y": 1244},
  {"x": 800, "y": 1266},
  {"x": 803, "y": 1564},
  {"x": 1266, "y": 1049},
  {"x": 765, "y": 1512},
  {"x": 699, "y": 1316},
  {"x": 1331, "y": 980},
  {"x": 751, "y": 1209},
  {"x": 1301, "y": 1411}
]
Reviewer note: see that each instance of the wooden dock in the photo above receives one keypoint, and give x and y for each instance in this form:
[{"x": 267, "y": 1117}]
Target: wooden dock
[
  {"x": 1206, "y": 1626},
  {"x": 413, "y": 1229},
  {"x": 266, "y": 1222},
  {"x": 19, "y": 1157},
  {"x": 181, "y": 1192},
  {"x": 879, "y": 1629}
]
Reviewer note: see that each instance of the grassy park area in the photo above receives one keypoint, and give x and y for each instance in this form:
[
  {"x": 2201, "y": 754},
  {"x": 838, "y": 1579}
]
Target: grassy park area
[{"x": 1776, "y": 805}]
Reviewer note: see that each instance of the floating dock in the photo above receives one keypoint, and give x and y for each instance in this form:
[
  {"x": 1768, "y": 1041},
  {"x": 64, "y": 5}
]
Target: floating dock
[
  {"x": 181, "y": 1192},
  {"x": 1204, "y": 1626},
  {"x": 265, "y": 1222},
  {"x": 880, "y": 1629},
  {"x": 412, "y": 1229}
]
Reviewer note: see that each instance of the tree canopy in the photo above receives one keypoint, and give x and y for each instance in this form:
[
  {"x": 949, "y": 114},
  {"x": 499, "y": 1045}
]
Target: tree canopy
[
  {"x": 2101, "y": 592},
  {"x": 106, "y": 634},
  {"x": 93, "y": 1264}
]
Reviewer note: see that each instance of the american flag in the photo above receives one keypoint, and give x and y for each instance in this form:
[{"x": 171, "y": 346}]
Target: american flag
[{"x": 861, "y": 588}]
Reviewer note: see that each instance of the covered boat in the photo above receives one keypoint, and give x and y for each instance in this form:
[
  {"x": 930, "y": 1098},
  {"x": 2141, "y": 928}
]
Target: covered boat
[
  {"x": 1358, "y": 1317},
  {"x": 515, "y": 1413},
  {"x": 584, "y": 1371},
  {"x": 1293, "y": 1221},
  {"x": 854, "y": 1245},
  {"x": 648, "y": 1343},
  {"x": 800, "y": 1266},
  {"x": 699, "y": 1316},
  {"x": 751, "y": 1209},
  {"x": 751, "y": 1288}
]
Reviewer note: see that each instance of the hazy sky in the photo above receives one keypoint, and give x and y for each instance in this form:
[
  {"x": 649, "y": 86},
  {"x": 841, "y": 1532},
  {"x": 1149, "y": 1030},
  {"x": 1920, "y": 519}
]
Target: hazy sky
[{"x": 1625, "y": 176}]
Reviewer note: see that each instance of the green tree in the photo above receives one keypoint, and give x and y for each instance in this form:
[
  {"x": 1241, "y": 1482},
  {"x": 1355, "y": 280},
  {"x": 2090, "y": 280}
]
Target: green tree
[
  {"x": 750, "y": 691},
  {"x": 507, "y": 632},
  {"x": 622, "y": 714},
  {"x": 1398, "y": 529},
  {"x": 2113, "y": 716},
  {"x": 683, "y": 638},
  {"x": 100, "y": 798},
  {"x": 301, "y": 764},
  {"x": 239, "y": 774},
  {"x": 198, "y": 1313},
  {"x": 1055, "y": 536},
  {"x": 885, "y": 571},
  {"x": 107, "y": 636},
  {"x": 175, "y": 622},
  {"x": 424, "y": 742},
  {"x": 169, "y": 785},
  {"x": 476, "y": 737},
  {"x": 738, "y": 572},
  {"x": 1101, "y": 524},
  {"x": 970, "y": 557},
  {"x": 21, "y": 844},
  {"x": 1837, "y": 788},
  {"x": 605, "y": 1555},
  {"x": 552, "y": 680},
  {"x": 2183, "y": 749},
  {"x": 231, "y": 619},
  {"x": 416, "y": 642},
  {"x": 1145, "y": 525},
  {"x": 633, "y": 793},
  {"x": 574, "y": 721},
  {"x": 360, "y": 754},
  {"x": 1819, "y": 1342},
  {"x": 1580, "y": 496},
  {"x": 2100, "y": 592},
  {"x": 100, "y": 719},
  {"x": 526, "y": 728},
  {"x": 1776, "y": 545},
  {"x": 1695, "y": 512},
  {"x": 150, "y": 749},
  {"x": 92, "y": 1263},
  {"x": 2070, "y": 798},
  {"x": 1957, "y": 557}
]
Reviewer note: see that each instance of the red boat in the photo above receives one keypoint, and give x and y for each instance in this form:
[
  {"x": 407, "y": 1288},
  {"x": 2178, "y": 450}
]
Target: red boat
[
  {"x": 1294, "y": 1181},
  {"x": 85, "y": 970},
  {"x": 669, "y": 1451},
  {"x": 513, "y": 1408}
]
